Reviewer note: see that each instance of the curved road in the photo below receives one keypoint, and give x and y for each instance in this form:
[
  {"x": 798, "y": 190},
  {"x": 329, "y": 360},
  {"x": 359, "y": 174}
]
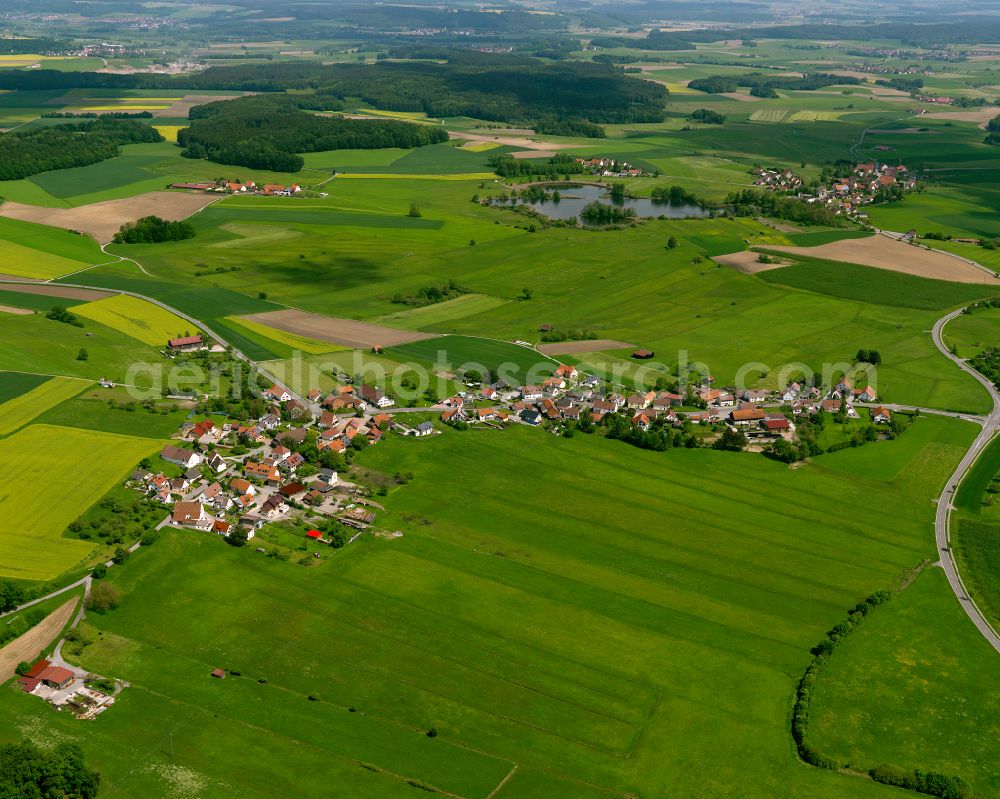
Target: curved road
[{"x": 944, "y": 507}]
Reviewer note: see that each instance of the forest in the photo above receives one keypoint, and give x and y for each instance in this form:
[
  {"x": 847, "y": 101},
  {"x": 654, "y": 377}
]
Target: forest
[
  {"x": 268, "y": 133},
  {"x": 27, "y": 153},
  {"x": 486, "y": 86}
]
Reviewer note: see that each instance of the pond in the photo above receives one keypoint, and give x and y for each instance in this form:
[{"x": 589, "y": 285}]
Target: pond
[{"x": 573, "y": 199}]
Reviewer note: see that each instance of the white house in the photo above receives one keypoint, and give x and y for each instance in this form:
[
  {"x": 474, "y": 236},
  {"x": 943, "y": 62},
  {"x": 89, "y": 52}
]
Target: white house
[
  {"x": 182, "y": 457},
  {"x": 191, "y": 514}
]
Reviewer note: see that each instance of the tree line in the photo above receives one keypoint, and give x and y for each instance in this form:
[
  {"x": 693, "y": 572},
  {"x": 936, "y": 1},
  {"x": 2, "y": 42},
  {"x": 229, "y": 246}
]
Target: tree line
[
  {"x": 507, "y": 166},
  {"x": 269, "y": 132},
  {"x": 30, "y": 152},
  {"x": 764, "y": 85}
]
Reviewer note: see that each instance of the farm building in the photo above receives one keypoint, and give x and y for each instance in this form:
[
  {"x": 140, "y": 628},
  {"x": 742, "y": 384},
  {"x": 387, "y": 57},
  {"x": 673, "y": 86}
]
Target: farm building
[{"x": 185, "y": 343}]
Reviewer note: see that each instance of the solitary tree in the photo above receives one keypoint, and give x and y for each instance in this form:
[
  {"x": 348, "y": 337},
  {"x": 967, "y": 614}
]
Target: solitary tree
[{"x": 104, "y": 597}]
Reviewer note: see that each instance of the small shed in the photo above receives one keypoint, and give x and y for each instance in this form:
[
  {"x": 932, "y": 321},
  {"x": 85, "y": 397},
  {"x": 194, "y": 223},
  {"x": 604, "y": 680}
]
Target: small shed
[
  {"x": 219, "y": 674},
  {"x": 315, "y": 535},
  {"x": 643, "y": 354}
]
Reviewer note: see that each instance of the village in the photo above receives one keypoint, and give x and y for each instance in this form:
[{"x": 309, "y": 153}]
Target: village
[
  {"x": 234, "y": 478},
  {"x": 869, "y": 182},
  {"x": 611, "y": 168}
]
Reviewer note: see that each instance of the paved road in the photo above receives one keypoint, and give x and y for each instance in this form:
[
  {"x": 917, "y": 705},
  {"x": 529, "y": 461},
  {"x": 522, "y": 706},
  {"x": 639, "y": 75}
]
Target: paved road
[
  {"x": 944, "y": 507},
  {"x": 968, "y": 417}
]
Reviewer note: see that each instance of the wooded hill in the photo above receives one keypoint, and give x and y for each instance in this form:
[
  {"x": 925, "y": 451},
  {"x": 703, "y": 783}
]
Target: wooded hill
[
  {"x": 27, "y": 153},
  {"x": 268, "y": 132},
  {"x": 509, "y": 89}
]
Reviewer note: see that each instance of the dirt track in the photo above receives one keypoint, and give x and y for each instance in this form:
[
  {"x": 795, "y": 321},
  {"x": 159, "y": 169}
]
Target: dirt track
[
  {"x": 15, "y": 311},
  {"x": 574, "y": 347},
  {"x": 345, "y": 332},
  {"x": 102, "y": 220},
  {"x": 59, "y": 291},
  {"x": 30, "y": 645},
  {"x": 882, "y": 252}
]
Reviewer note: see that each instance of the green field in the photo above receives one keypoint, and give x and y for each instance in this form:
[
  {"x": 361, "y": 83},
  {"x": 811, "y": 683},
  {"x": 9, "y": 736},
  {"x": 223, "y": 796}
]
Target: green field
[
  {"x": 33, "y": 395},
  {"x": 907, "y": 688},
  {"x": 14, "y": 384},
  {"x": 94, "y": 413},
  {"x": 879, "y": 286},
  {"x": 53, "y": 348},
  {"x": 38, "y": 251},
  {"x": 970, "y": 334},
  {"x": 494, "y": 627},
  {"x": 976, "y": 543},
  {"x": 517, "y": 363},
  {"x": 969, "y": 496},
  {"x": 33, "y": 516},
  {"x": 34, "y": 302}
]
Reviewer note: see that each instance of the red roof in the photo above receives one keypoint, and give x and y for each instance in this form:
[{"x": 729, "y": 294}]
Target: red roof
[
  {"x": 37, "y": 668},
  {"x": 56, "y": 674},
  {"x": 776, "y": 424},
  {"x": 314, "y": 534},
  {"x": 180, "y": 342}
]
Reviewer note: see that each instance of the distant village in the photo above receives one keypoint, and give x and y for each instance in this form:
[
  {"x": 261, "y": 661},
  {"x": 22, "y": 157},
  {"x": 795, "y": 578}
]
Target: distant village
[
  {"x": 611, "y": 168},
  {"x": 223, "y": 186},
  {"x": 845, "y": 196}
]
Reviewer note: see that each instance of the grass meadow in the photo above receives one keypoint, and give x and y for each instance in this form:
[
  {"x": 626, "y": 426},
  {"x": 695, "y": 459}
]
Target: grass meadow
[
  {"x": 971, "y": 334},
  {"x": 909, "y": 688},
  {"x": 34, "y": 302},
  {"x": 976, "y": 543},
  {"x": 94, "y": 413},
  {"x": 52, "y": 347},
  {"x": 84, "y": 463},
  {"x": 451, "y": 352},
  {"x": 31, "y": 401},
  {"x": 597, "y": 651}
]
